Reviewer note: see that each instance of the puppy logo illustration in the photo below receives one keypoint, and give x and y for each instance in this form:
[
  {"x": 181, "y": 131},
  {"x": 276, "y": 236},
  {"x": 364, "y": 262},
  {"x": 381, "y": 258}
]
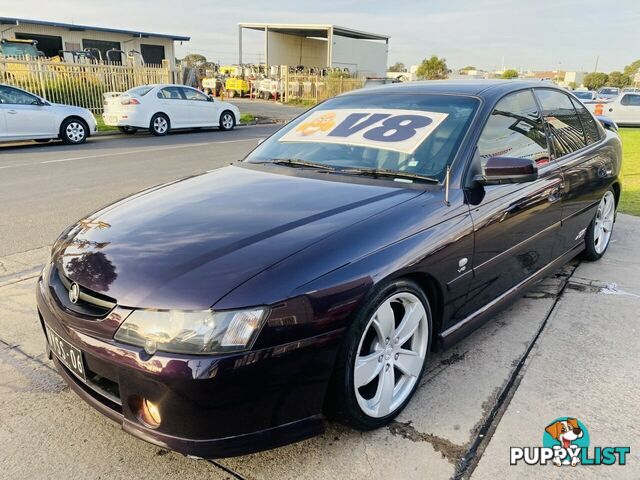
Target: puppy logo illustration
[
  {"x": 568, "y": 434},
  {"x": 323, "y": 123}
]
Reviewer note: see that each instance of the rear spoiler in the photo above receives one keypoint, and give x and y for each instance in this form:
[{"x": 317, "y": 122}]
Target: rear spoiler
[{"x": 607, "y": 123}]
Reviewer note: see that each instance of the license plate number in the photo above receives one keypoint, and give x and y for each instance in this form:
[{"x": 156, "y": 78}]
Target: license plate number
[{"x": 70, "y": 356}]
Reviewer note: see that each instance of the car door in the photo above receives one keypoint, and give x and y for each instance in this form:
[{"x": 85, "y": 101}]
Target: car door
[
  {"x": 3, "y": 123},
  {"x": 203, "y": 111},
  {"x": 173, "y": 103},
  {"x": 575, "y": 138},
  {"x": 515, "y": 225},
  {"x": 628, "y": 109},
  {"x": 26, "y": 116}
]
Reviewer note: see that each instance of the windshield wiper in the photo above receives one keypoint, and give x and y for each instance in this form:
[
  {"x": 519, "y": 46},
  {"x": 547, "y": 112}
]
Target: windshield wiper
[
  {"x": 296, "y": 162},
  {"x": 383, "y": 172}
]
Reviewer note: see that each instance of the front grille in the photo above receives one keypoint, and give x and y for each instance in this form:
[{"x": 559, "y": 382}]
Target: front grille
[{"x": 90, "y": 304}]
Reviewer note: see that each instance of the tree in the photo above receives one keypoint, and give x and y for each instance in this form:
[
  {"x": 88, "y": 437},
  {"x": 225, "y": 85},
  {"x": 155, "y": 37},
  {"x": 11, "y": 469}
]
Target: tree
[
  {"x": 467, "y": 68},
  {"x": 397, "y": 67},
  {"x": 510, "y": 73},
  {"x": 193, "y": 60},
  {"x": 632, "y": 69},
  {"x": 595, "y": 80},
  {"x": 433, "y": 68},
  {"x": 619, "y": 79}
]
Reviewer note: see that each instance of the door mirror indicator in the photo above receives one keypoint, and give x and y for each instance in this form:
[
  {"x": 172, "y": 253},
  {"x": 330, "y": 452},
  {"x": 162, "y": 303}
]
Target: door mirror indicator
[{"x": 501, "y": 170}]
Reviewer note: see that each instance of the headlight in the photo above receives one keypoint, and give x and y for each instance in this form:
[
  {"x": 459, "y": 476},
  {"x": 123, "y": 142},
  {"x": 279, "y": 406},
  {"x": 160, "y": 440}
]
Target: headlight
[{"x": 191, "y": 332}]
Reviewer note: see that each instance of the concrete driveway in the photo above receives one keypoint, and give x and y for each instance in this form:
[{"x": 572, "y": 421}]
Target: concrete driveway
[{"x": 569, "y": 348}]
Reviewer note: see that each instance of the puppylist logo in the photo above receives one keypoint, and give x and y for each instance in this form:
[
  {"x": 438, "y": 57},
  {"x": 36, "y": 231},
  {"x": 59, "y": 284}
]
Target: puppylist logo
[{"x": 565, "y": 441}]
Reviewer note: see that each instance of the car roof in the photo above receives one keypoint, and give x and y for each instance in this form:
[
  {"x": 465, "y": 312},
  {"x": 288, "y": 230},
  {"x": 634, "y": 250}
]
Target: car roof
[{"x": 480, "y": 88}]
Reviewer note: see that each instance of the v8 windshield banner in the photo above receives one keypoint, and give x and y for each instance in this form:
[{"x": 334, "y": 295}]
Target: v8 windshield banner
[{"x": 398, "y": 130}]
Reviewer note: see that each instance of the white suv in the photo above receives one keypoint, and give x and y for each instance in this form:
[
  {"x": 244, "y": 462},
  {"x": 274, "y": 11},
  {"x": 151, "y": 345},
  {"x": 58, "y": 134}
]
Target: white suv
[{"x": 25, "y": 116}]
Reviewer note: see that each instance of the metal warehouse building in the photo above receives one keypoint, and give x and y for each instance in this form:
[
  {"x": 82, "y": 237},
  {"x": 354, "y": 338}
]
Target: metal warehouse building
[
  {"x": 55, "y": 36},
  {"x": 321, "y": 46}
]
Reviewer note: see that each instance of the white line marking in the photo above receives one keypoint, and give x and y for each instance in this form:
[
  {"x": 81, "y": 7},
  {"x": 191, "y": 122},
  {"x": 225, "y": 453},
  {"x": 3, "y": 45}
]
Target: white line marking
[{"x": 144, "y": 150}]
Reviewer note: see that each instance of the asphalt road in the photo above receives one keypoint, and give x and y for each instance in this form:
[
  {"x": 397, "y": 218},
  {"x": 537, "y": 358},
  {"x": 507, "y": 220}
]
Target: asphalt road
[{"x": 44, "y": 188}]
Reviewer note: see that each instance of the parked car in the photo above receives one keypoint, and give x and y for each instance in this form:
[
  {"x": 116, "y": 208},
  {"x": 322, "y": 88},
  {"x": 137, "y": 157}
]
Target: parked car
[
  {"x": 230, "y": 312},
  {"x": 630, "y": 90},
  {"x": 585, "y": 95},
  {"x": 605, "y": 93},
  {"x": 25, "y": 116},
  {"x": 161, "y": 108},
  {"x": 623, "y": 110}
]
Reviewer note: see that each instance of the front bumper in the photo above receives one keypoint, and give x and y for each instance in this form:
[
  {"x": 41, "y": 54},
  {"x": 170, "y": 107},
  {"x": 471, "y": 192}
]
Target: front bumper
[{"x": 211, "y": 406}]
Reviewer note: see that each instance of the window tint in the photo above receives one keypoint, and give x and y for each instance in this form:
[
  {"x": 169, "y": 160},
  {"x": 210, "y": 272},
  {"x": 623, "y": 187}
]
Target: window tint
[
  {"x": 514, "y": 129},
  {"x": 591, "y": 131},
  {"x": 191, "y": 94},
  {"x": 16, "y": 97},
  {"x": 171, "y": 93},
  {"x": 631, "y": 99},
  {"x": 564, "y": 123}
]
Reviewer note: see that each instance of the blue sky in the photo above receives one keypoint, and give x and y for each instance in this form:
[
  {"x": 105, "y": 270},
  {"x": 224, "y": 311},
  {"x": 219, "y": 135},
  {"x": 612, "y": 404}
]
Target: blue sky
[{"x": 541, "y": 34}]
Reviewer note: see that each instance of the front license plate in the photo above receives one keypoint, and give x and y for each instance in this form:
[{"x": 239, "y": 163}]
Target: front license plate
[{"x": 69, "y": 355}]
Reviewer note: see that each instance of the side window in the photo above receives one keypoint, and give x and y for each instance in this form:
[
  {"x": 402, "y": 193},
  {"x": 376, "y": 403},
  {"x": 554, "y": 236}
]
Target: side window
[
  {"x": 13, "y": 96},
  {"x": 515, "y": 129},
  {"x": 171, "y": 93},
  {"x": 191, "y": 94},
  {"x": 564, "y": 123},
  {"x": 591, "y": 131},
  {"x": 631, "y": 99}
]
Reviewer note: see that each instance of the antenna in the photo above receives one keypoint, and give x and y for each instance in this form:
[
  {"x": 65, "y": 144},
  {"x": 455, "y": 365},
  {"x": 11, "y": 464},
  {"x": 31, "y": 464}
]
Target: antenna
[{"x": 447, "y": 178}]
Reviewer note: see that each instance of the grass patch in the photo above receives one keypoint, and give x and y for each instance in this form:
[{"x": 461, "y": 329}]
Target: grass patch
[
  {"x": 102, "y": 127},
  {"x": 247, "y": 118},
  {"x": 297, "y": 102},
  {"x": 630, "y": 201}
]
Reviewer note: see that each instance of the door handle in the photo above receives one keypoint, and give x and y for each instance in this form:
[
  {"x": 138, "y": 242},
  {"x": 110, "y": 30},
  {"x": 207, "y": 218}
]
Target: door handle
[{"x": 12, "y": 112}]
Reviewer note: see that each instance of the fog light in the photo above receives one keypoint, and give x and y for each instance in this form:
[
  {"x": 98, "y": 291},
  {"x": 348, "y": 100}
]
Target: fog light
[{"x": 147, "y": 412}]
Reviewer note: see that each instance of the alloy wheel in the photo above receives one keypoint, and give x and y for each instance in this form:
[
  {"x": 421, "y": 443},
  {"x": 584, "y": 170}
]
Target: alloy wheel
[
  {"x": 604, "y": 222},
  {"x": 75, "y": 132},
  {"x": 160, "y": 125},
  {"x": 391, "y": 354},
  {"x": 227, "y": 121}
]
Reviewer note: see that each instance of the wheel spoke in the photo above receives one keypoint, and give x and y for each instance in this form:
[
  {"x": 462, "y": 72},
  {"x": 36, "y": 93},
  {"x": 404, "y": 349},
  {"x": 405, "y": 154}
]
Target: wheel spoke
[
  {"x": 367, "y": 368},
  {"x": 409, "y": 362},
  {"x": 409, "y": 324},
  {"x": 384, "y": 395},
  {"x": 384, "y": 322},
  {"x": 607, "y": 225}
]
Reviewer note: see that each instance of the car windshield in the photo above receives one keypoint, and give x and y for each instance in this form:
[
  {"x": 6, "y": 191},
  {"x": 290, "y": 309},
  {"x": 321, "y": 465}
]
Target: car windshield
[
  {"x": 608, "y": 91},
  {"x": 410, "y": 134},
  {"x": 139, "y": 91},
  {"x": 583, "y": 95}
]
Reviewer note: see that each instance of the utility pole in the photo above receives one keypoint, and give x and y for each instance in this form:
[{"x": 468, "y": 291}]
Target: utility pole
[{"x": 597, "y": 60}]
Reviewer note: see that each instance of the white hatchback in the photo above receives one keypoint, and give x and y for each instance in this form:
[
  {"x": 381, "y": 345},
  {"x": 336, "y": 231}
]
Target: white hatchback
[
  {"x": 25, "y": 116},
  {"x": 161, "y": 108}
]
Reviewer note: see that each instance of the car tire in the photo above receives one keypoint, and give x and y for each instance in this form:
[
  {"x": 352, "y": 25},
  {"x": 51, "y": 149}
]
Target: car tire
[
  {"x": 227, "y": 121},
  {"x": 73, "y": 131},
  {"x": 598, "y": 236},
  {"x": 159, "y": 125},
  {"x": 128, "y": 130},
  {"x": 366, "y": 362}
]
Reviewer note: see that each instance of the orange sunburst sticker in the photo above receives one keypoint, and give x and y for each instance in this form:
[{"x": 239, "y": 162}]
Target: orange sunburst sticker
[{"x": 323, "y": 123}]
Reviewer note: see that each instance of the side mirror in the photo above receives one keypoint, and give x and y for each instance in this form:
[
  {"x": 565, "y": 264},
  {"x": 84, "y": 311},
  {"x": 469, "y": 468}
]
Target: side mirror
[
  {"x": 210, "y": 99},
  {"x": 501, "y": 170},
  {"x": 38, "y": 102}
]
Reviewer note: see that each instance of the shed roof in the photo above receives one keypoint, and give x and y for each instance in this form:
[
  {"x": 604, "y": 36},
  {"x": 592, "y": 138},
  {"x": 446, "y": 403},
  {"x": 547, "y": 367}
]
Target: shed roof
[
  {"x": 79, "y": 28},
  {"x": 314, "y": 30}
]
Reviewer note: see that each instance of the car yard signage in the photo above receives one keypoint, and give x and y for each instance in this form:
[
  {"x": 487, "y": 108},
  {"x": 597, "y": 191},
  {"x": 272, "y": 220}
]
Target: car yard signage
[{"x": 388, "y": 129}]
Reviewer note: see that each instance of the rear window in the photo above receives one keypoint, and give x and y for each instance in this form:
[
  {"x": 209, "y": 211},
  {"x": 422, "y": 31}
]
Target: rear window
[
  {"x": 417, "y": 134},
  {"x": 139, "y": 91}
]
